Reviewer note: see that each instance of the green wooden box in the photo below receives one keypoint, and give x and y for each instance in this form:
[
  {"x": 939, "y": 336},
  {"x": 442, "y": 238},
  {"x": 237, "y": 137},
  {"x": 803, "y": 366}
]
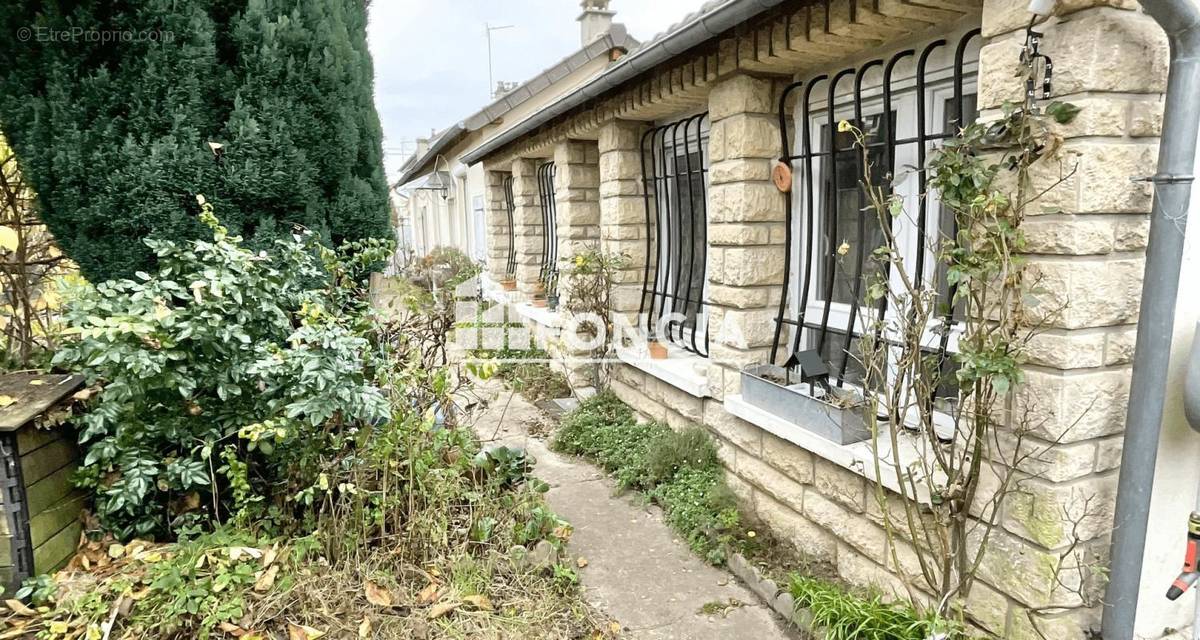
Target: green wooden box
[{"x": 40, "y": 527}]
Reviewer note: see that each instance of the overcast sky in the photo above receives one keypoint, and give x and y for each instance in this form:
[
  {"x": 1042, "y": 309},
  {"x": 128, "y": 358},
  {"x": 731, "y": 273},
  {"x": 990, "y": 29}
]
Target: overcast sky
[{"x": 431, "y": 55}]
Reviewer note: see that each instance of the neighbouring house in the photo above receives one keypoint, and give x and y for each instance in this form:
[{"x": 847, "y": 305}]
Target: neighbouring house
[
  {"x": 440, "y": 199},
  {"x": 667, "y": 156}
]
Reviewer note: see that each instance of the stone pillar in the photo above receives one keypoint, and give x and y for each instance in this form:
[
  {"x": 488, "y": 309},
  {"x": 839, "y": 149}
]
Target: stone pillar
[
  {"x": 496, "y": 214},
  {"x": 1086, "y": 241},
  {"x": 576, "y": 198},
  {"x": 745, "y": 228},
  {"x": 527, "y": 225},
  {"x": 623, "y": 228},
  {"x": 577, "y": 207}
]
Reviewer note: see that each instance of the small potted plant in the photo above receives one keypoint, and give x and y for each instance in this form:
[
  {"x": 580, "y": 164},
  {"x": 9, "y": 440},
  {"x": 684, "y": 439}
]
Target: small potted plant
[
  {"x": 509, "y": 283},
  {"x": 800, "y": 393},
  {"x": 658, "y": 350},
  {"x": 552, "y": 293}
]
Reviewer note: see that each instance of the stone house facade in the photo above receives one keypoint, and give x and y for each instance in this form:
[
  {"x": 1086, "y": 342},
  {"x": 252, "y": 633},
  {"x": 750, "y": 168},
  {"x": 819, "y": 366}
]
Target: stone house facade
[{"x": 718, "y": 104}]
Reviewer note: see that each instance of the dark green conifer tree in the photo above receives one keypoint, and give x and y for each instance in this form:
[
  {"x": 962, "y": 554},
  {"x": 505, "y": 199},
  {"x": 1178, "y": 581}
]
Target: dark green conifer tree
[{"x": 110, "y": 106}]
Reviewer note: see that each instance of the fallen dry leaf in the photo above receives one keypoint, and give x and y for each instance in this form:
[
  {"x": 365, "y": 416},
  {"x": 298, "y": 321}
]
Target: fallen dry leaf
[
  {"x": 376, "y": 594},
  {"x": 266, "y": 580},
  {"x": 16, "y": 632},
  {"x": 19, "y": 608},
  {"x": 235, "y": 553},
  {"x": 232, "y": 629},
  {"x": 442, "y": 609},
  {"x": 428, "y": 595},
  {"x": 269, "y": 556},
  {"x": 364, "y": 628},
  {"x": 581, "y": 562},
  {"x": 82, "y": 394},
  {"x": 302, "y": 632},
  {"x": 6, "y": 400},
  {"x": 116, "y": 550},
  {"x": 479, "y": 602},
  {"x": 37, "y": 382}
]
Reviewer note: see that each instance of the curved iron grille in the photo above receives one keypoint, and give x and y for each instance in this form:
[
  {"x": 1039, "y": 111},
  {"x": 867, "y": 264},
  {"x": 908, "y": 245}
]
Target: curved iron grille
[
  {"x": 510, "y": 204},
  {"x": 549, "y": 271},
  {"x": 675, "y": 188},
  {"x": 901, "y": 127}
]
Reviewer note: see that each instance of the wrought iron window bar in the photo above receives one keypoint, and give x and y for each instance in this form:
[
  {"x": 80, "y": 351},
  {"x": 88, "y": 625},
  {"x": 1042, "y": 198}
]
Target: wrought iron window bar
[
  {"x": 820, "y": 265},
  {"x": 510, "y": 207},
  {"x": 674, "y": 178},
  {"x": 548, "y": 274}
]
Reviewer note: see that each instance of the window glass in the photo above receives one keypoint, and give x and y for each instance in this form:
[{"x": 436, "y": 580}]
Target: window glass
[
  {"x": 688, "y": 287},
  {"x": 843, "y": 204}
]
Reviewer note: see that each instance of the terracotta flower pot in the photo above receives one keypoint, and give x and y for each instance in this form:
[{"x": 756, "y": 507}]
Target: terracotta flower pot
[
  {"x": 509, "y": 284},
  {"x": 539, "y": 302},
  {"x": 658, "y": 351}
]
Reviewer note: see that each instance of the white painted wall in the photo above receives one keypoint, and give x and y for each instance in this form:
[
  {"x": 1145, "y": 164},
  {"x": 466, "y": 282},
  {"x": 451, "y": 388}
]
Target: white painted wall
[{"x": 1177, "y": 474}]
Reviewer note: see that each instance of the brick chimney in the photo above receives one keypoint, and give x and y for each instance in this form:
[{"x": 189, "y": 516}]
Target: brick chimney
[{"x": 594, "y": 21}]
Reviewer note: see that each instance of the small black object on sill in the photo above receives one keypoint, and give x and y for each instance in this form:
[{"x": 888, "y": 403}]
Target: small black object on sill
[{"x": 811, "y": 367}]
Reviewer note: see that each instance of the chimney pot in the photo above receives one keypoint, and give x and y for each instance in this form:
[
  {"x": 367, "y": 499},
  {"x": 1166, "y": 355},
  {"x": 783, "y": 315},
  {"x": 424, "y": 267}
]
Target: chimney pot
[{"x": 595, "y": 20}]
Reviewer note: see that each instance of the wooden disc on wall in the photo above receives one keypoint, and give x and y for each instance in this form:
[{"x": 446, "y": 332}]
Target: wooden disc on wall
[{"x": 781, "y": 175}]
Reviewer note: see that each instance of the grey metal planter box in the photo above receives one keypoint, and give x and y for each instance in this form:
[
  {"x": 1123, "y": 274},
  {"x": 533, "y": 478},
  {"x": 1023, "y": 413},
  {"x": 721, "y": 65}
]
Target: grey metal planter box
[{"x": 843, "y": 425}]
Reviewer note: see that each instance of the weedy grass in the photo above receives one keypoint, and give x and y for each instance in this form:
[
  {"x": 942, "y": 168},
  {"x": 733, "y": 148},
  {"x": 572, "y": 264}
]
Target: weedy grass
[
  {"x": 525, "y": 371},
  {"x": 845, "y": 615}
]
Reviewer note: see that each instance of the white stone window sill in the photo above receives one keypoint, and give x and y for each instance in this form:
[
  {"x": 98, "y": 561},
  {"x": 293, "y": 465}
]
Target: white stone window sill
[
  {"x": 539, "y": 315},
  {"x": 858, "y": 457},
  {"x": 681, "y": 369}
]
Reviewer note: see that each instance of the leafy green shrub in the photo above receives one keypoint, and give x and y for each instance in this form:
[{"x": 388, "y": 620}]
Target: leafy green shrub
[
  {"x": 220, "y": 373},
  {"x": 847, "y": 616},
  {"x": 443, "y": 268}
]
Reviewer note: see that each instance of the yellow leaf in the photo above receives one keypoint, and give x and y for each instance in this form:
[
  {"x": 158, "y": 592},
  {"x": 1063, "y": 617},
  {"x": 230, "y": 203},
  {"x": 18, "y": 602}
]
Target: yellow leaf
[
  {"x": 19, "y": 608},
  {"x": 116, "y": 550},
  {"x": 479, "y": 602},
  {"x": 376, "y": 594},
  {"x": 9, "y": 239},
  {"x": 59, "y": 627},
  {"x": 6, "y": 400},
  {"x": 364, "y": 628},
  {"x": 37, "y": 382},
  {"x": 301, "y": 632}
]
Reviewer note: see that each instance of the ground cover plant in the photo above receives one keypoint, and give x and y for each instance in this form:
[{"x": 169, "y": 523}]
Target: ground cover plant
[{"x": 678, "y": 470}]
